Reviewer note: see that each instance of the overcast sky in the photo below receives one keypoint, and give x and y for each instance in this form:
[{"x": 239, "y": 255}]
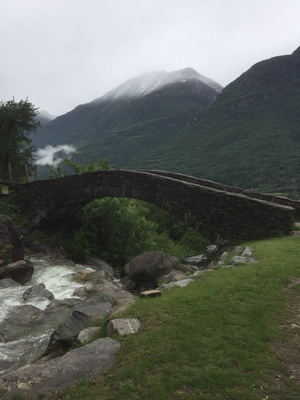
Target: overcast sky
[{"x": 62, "y": 53}]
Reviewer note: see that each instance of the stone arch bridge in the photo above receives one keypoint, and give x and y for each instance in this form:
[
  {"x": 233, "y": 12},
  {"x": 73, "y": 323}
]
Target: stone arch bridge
[{"x": 220, "y": 213}]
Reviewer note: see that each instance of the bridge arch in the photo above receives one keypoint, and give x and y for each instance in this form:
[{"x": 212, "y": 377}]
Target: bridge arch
[{"x": 218, "y": 215}]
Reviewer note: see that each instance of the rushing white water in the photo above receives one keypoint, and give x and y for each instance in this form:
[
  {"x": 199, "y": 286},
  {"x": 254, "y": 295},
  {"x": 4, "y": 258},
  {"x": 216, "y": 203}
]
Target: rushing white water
[{"x": 57, "y": 277}]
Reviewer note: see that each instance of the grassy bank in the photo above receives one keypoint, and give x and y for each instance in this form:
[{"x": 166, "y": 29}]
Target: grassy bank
[{"x": 215, "y": 339}]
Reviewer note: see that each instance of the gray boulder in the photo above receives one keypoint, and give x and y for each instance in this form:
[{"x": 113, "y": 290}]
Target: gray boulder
[
  {"x": 10, "y": 236},
  {"x": 8, "y": 283},
  {"x": 86, "y": 335},
  {"x": 37, "y": 291},
  {"x": 120, "y": 305},
  {"x": 172, "y": 276},
  {"x": 19, "y": 271},
  {"x": 61, "y": 372},
  {"x": 128, "y": 283},
  {"x": 69, "y": 329},
  {"x": 106, "y": 291},
  {"x": 93, "y": 277},
  {"x": 145, "y": 269},
  {"x": 179, "y": 284}
]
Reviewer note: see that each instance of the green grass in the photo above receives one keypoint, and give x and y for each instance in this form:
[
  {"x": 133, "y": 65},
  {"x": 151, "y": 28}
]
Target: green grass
[
  {"x": 4, "y": 189},
  {"x": 210, "y": 340}
]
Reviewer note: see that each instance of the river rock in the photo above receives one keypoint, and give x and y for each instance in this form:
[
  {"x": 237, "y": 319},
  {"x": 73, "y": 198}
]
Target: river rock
[
  {"x": 120, "y": 305},
  {"x": 196, "y": 260},
  {"x": 98, "y": 264},
  {"x": 19, "y": 271},
  {"x": 123, "y": 326},
  {"x": 61, "y": 372},
  {"x": 146, "y": 269},
  {"x": 92, "y": 277},
  {"x": 180, "y": 284},
  {"x": 172, "y": 276},
  {"x": 37, "y": 291},
  {"x": 128, "y": 283},
  {"x": 10, "y": 236},
  {"x": 8, "y": 283},
  {"x": 68, "y": 330},
  {"x": 248, "y": 251},
  {"x": 106, "y": 291},
  {"x": 242, "y": 260},
  {"x": 86, "y": 335}
]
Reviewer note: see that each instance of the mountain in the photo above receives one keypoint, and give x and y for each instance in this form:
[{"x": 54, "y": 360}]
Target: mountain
[
  {"x": 249, "y": 137},
  {"x": 139, "y": 115},
  {"x": 148, "y": 82},
  {"x": 44, "y": 117}
]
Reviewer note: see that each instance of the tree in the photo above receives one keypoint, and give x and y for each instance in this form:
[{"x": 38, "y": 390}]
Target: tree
[{"x": 17, "y": 122}]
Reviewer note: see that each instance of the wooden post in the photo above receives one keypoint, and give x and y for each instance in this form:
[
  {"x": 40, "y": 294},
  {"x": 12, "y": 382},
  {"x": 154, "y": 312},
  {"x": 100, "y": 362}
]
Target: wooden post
[
  {"x": 26, "y": 173},
  {"x": 9, "y": 173},
  {"x": 35, "y": 172}
]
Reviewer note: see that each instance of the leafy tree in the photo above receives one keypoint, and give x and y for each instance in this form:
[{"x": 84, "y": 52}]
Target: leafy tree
[{"x": 17, "y": 121}]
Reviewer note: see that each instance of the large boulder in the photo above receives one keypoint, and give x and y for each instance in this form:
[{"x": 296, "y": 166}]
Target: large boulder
[
  {"x": 8, "y": 283},
  {"x": 147, "y": 269},
  {"x": 62, "y": 372},
  {"x": 9, "y": 236},
  {"x": 38, "y": 291},
  {"x": 69, "y": 329},
  {"x": 19, "y": 271}
]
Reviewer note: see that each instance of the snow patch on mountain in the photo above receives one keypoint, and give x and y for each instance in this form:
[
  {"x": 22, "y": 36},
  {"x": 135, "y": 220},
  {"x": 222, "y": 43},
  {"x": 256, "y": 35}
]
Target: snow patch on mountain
[{"x": 146, "y": 83}]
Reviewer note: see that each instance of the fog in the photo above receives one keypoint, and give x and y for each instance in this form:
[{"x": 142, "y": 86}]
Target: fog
[{"x": 53, "y": 155}]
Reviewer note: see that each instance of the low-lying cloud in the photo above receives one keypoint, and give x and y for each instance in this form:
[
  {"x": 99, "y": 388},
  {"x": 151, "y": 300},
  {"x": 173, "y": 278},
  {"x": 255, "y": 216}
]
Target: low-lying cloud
[{"x": 53, "y": 155}]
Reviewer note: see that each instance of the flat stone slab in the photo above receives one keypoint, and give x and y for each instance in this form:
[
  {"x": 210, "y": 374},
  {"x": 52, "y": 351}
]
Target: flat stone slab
[
  {"x": 150, "y": 293},
  {"x": 123, "y": 326},
  {"x": 61, "y": 372}
]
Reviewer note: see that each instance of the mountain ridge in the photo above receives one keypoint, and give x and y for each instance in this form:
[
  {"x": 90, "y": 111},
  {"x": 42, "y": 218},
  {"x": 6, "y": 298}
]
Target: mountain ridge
[
  {"x": 119, "y": 129},
  {"x": 249, "y": 137},
  {"x": 148, "y": 82}
]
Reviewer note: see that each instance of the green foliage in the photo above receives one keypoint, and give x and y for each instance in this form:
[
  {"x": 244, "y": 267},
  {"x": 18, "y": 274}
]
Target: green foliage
[
  {"x": 5, "y": 253},
  {"x": 10, "y": 207},
  {"x": 17, "y": 122},
  {"x": 114, "y": 229}
]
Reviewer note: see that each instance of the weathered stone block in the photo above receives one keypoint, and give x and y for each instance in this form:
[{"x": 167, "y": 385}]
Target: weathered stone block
[{"x": 123, "y": 326}]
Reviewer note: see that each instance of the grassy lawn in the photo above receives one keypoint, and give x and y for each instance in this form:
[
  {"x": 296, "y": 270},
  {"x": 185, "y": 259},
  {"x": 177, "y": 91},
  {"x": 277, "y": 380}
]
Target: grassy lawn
[
  {"x": 4, "y": 189},
  {"x": 215, "y": 339}
]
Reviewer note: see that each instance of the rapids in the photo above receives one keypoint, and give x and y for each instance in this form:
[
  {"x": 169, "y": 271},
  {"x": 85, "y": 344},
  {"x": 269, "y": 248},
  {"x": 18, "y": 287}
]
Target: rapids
[{"x": 57, "y": 277}]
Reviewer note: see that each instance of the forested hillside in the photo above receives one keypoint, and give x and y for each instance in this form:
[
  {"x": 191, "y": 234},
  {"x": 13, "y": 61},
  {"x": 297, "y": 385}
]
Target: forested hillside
[
  {"x": 249, "y": 137},
  {"x": 122, "y": 128}
]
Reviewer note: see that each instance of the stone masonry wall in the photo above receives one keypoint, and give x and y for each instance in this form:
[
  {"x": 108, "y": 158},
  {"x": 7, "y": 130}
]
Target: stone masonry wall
[
  {"x": 232, "y": 189},
  {"x": 218, "y": 215}
]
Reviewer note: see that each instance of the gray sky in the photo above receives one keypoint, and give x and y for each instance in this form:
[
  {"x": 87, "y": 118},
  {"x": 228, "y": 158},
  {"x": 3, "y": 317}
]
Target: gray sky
[{"x": 62, "y": 53}]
